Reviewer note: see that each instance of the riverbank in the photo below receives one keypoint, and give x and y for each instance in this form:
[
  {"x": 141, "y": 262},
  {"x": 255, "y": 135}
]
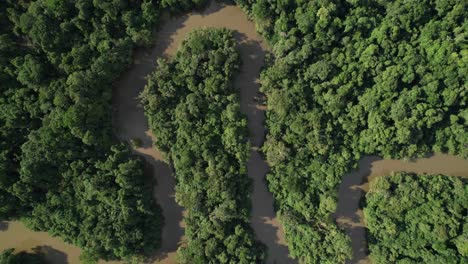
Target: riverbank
[
  {"x": 130, "y": 123},
  {"x": 355, "y": 184},
  {"x": 133, "y": 124}
]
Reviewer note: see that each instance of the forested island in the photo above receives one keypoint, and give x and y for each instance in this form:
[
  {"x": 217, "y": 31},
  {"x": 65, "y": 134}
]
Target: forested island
[
  {"x": 194, "y": 113},
  {"x": 345, "y": 79},
  {"x": 417, "y": 219}
]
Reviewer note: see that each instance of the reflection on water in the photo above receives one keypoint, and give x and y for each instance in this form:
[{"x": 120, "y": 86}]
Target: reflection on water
[
  {"x": 52, "y": 255},
  {"x": 349, "y": 215}
]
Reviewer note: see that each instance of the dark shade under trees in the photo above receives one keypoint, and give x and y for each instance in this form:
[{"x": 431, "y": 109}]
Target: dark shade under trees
[
  {"x": 417, "y": 219},
  {"x": 194, "y": 112},
  {"x": 9, "y": 257}
]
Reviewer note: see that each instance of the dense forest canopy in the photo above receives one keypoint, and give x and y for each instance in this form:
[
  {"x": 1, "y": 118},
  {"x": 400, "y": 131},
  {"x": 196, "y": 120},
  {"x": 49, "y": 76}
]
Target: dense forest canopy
[
  {"x": 417, "y": 219},
  {"x": 351, "y": 78},
  {"x": 61, "y": 169},
  {"x": 194, "y": 112},
  {"x": 346, "y": 79}
]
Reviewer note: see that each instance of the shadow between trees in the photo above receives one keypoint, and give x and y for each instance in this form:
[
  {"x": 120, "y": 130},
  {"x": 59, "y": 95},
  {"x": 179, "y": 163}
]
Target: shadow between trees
[{"x": 52, "y": 255}]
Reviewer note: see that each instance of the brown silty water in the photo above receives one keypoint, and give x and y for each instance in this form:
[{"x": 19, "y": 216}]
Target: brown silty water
[
  {"x": 16, "y": 235},
  {"x": 130, "y": 123},
  {"x": 349, "y": 214}
]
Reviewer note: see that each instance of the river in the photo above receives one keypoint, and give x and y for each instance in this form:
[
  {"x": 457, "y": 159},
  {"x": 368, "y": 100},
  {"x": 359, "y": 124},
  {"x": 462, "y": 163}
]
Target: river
[
  {"x": 349, "y": 214},
  {"x": 130, "y": 123}
]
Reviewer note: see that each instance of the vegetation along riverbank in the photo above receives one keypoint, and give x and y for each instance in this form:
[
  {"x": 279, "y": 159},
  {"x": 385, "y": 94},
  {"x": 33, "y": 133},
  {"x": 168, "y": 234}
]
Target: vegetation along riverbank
[
  {"x": 194, "y": 113},
  {"x": 343, "y": 81}
]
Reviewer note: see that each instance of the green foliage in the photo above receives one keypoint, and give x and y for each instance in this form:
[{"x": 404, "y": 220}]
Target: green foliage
[
  {"x": 195, "y": 115},
  {"x": 351, "y": 78},
  {"x": 179, "y": 6},
  {"x": 8, "y": 257},
  {"x": 136, "y": 142},
  {"x": 61, "y": 169},
  {"x": 105, "y": 209},
  {"x": 417, "y": 219}
]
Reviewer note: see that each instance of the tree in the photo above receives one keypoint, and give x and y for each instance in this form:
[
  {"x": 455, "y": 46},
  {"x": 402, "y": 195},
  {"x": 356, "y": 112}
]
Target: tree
[
  {"x": 348, "y": 79},
  {"x": 58, "y": 62},
  {"x": 9, "y": 257},
  {"x": 419, "y": 218},
  {"x": 195, "y": 114}
]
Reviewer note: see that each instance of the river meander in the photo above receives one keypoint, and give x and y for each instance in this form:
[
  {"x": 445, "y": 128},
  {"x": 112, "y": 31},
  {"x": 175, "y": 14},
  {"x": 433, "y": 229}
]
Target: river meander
[
  {"x": 355, "y": 184},
  {"x": 130, "y": 123}
]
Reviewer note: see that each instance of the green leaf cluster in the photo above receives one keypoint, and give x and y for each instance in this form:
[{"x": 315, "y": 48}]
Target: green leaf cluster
[
  {"x": 417, "y": 219},
  {"x": 354, "y": 78},
  {"x": 61, "y": 169},
  {"x": 194, "y": 113}
]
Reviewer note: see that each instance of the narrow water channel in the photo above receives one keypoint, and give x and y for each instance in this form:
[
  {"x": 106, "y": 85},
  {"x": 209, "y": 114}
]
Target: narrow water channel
[
  {"x": 349, "y": 214},
  {"x": 130, "y": 123},
  {"x": 252, "y": 49}
]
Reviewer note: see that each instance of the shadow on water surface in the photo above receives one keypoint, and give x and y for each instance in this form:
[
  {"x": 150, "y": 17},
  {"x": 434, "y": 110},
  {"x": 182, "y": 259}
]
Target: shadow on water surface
[
  {"x": 212, "y": 9},
  {"x": 174, "y": 232},
  {"x": 52, "y": 255},
  {"x": 3, "y": 226}
]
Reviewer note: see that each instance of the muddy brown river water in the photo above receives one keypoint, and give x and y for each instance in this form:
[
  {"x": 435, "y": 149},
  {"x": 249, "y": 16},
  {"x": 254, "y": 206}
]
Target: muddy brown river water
[
  {"x": 349, "y": 215},
  {"x": 130, "y": 123}
]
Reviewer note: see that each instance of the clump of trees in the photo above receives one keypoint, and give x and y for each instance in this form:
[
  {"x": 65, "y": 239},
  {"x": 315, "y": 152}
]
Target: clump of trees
[
  {"x": 178, "y": 6},
  {"x": 417, "y": 219},
  {"x": 9, "y": 257},
  {"x": 351, "y": 78},
  {"x": 194, "y": 112},
  {"x": 348, "y": 78},
  {"x": 61, "y": 169}
]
